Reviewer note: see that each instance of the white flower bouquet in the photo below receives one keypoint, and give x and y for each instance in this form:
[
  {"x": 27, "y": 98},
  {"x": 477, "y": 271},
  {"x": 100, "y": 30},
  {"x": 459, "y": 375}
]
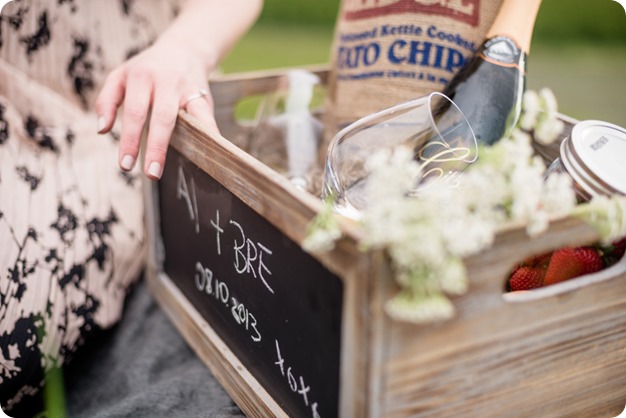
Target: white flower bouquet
[{"x": 427, "y": 238}]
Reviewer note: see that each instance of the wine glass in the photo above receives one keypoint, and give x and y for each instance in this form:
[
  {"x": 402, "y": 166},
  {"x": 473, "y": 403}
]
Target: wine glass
[{"x": 432, "y": 127}]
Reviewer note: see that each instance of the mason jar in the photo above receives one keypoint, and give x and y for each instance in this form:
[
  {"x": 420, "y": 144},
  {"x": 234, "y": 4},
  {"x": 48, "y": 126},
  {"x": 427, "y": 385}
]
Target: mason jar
[{"x": 594, "y": 156}]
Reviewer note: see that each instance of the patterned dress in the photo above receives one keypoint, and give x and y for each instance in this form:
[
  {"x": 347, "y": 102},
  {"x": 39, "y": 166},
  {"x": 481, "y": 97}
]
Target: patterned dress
[{"x": 71, "y": 223}]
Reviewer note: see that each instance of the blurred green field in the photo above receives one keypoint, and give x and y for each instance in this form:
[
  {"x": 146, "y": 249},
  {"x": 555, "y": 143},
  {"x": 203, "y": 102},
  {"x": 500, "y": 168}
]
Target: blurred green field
[
  {"x": 559, "y": 21},
  {"x": 275, "y": 46},
  {"x": 589, "y": 80},
  {"x": 579, "y": 51}
]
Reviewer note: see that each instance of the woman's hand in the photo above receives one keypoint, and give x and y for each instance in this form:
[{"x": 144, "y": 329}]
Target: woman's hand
[
  {"x": 172, "y": 75},
  {"x": 157, "y": 82}
]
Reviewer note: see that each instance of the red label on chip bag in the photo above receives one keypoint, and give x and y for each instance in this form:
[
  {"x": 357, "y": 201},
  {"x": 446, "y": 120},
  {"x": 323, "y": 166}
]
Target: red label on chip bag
[{"x": 466, "y": 11}]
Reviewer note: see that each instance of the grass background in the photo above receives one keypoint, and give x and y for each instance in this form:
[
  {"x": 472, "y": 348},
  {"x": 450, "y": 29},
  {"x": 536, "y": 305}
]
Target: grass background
[{"x": 578, "y": 50}]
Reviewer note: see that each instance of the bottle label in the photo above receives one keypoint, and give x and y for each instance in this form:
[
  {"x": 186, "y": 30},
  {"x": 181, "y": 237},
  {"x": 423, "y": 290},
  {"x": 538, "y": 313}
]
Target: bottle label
[{"x": 502, "y": 50}]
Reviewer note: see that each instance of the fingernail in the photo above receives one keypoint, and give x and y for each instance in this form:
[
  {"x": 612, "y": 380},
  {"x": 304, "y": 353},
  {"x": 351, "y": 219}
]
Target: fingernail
[
  {"x": 155, "y": 170},
  {"x": 127, "y": 162},
  {"x": 101, "y": 123}
]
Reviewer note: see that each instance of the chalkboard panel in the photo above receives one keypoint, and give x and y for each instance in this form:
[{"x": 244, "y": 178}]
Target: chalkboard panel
[{"x": 275, "y": 306}]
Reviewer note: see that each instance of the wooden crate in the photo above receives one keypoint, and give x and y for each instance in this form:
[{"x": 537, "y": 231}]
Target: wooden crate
[{"x": 320, "y": 344}]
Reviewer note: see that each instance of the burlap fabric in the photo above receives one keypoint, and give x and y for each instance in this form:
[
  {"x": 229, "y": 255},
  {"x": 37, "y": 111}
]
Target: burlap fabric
[{"x": 390, "y": 51}]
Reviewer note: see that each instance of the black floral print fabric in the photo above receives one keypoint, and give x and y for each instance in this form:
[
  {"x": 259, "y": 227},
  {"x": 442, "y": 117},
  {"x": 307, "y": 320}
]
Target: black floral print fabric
[{"x": 71, "y": 224}]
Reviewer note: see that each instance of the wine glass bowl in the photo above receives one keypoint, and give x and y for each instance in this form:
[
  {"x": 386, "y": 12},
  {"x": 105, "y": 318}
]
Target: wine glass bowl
[{"x": 432, "y": 127}]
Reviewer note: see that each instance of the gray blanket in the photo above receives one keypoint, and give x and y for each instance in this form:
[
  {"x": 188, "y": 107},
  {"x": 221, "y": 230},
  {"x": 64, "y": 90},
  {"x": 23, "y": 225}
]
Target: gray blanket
[{"x": 143, "y": 368}]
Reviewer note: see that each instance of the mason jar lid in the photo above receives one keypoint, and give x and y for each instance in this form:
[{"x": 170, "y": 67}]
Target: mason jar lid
[{"x": 595, "y": 156}]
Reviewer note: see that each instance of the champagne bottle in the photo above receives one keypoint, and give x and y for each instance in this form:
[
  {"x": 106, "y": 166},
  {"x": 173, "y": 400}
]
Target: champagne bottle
[{"x": 489, "y": 87}]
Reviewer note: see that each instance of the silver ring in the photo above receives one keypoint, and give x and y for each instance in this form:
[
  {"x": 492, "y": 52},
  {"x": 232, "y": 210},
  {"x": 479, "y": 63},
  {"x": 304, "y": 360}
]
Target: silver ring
[{"x": 200, "y": 93}]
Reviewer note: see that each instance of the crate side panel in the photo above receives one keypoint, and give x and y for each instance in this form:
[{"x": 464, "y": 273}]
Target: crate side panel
[{"x": 559, "y": 351}]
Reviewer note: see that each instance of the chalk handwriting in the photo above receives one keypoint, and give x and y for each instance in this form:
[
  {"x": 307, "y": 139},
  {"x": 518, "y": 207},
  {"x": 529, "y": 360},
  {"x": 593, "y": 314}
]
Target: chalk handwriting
[
  {"x": 226, "y": 278},
  {"x": 246, "y": 253},
  {"x": 182, "y": 191},
  {"x": 296, "y": 385},
  {"x": 218, "y": 230},
  {"x": 245, "y": 318},
  {"x": 207, "y": 283}
]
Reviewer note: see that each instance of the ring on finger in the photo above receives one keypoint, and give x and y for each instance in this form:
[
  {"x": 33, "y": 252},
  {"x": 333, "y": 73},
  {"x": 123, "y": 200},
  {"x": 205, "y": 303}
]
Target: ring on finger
[{"x": 200, "y": 93}]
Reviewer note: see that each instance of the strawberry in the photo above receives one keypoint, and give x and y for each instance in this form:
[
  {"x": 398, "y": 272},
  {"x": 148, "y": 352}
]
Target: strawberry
[
  {"x": 526, "y": 278},
  {"x": 540, "y": 261},
  {"x": 570, "y": 262},
  {"x": 617, "y": 248}
]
